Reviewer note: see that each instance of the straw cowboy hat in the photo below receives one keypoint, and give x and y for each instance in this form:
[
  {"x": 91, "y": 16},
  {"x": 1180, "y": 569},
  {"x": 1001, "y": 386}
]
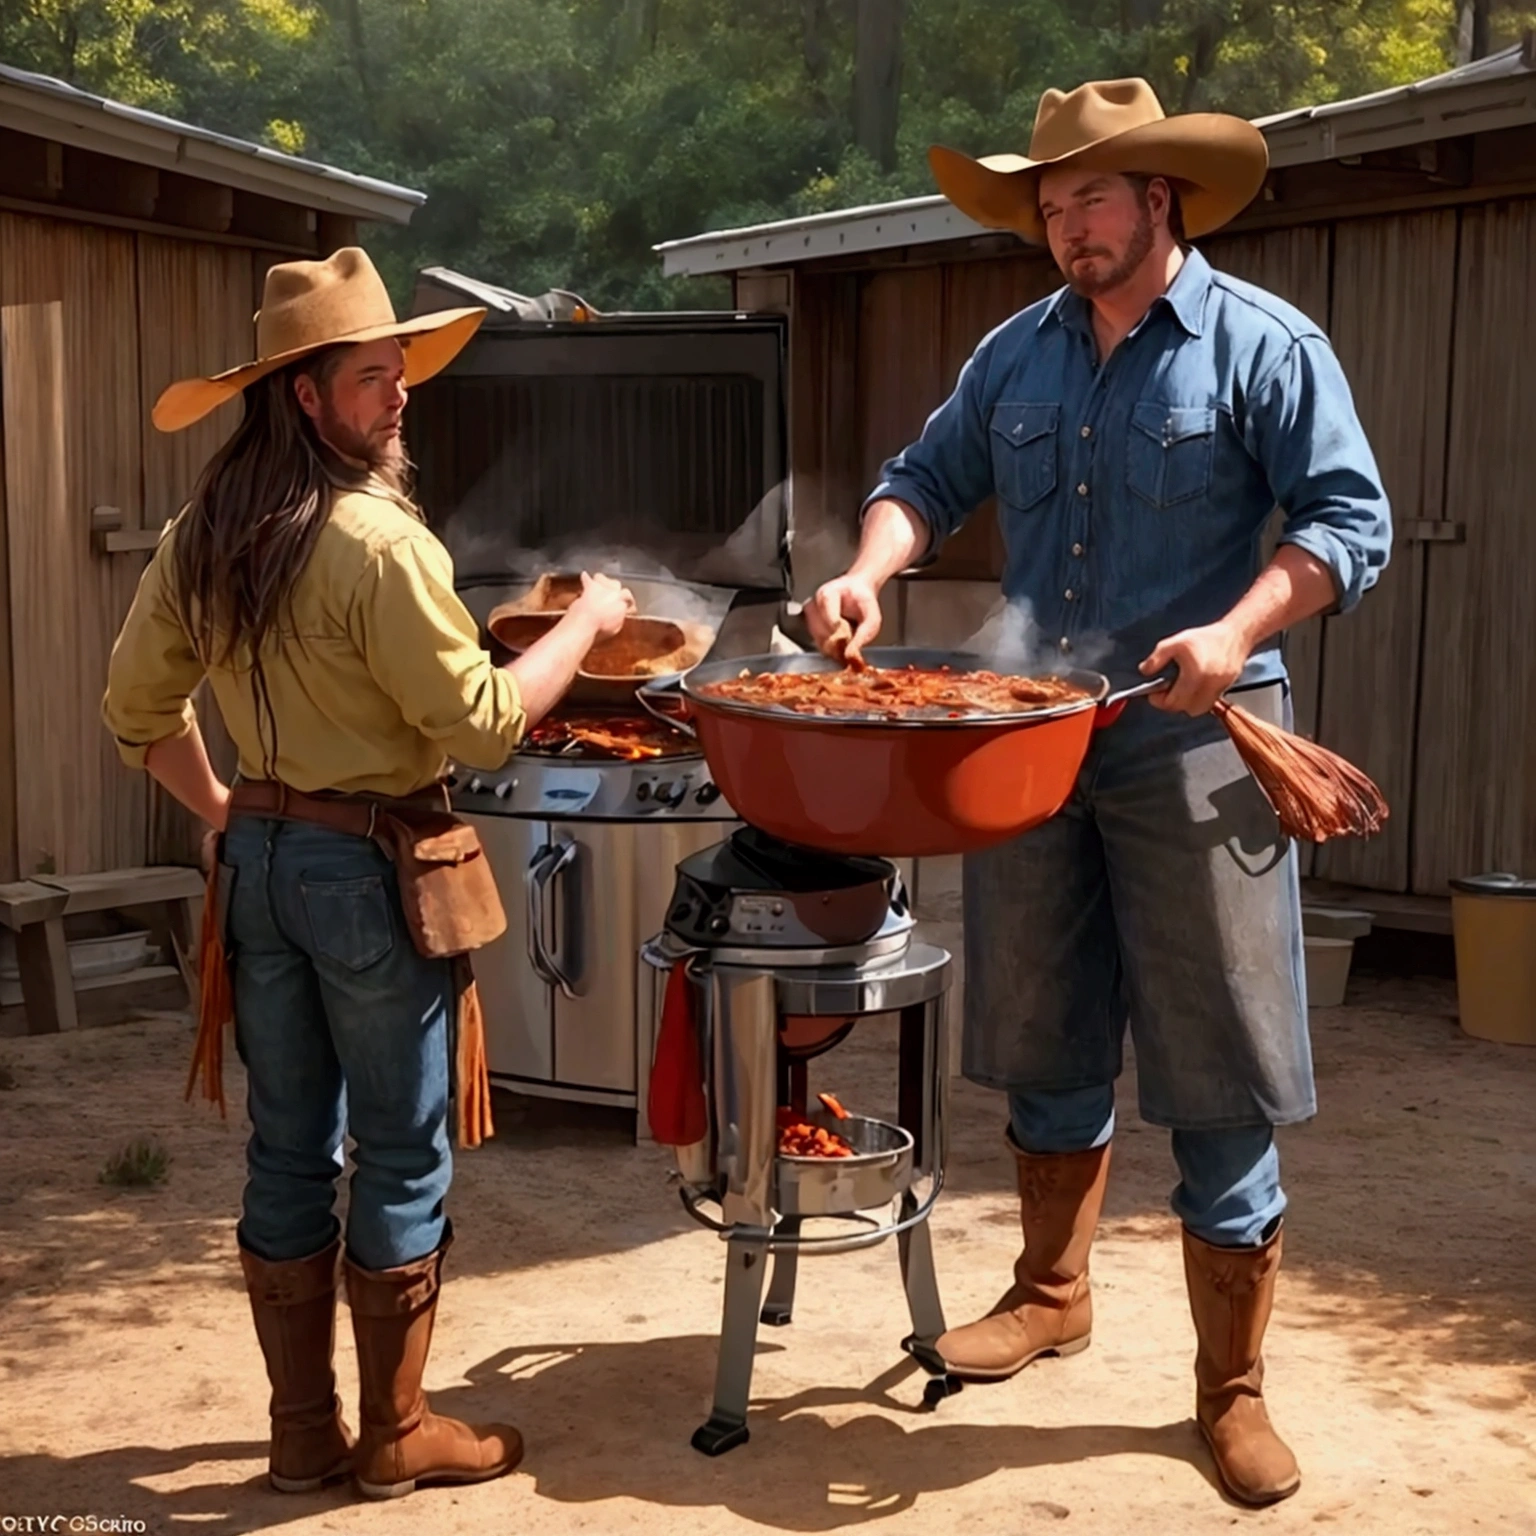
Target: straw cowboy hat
[
  {"x": 1216, "y": 162},
  {"x": 307, "y": 305}
]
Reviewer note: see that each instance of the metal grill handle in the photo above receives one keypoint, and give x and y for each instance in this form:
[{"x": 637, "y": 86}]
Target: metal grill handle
[{"x": 547, "y": 863}]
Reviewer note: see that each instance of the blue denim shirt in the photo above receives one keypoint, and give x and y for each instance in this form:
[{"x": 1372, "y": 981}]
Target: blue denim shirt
[{"x": 1133, "y": 496}]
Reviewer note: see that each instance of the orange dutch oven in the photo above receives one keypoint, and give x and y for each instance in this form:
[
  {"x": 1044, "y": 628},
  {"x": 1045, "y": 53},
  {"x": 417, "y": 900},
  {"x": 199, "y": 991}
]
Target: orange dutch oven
[{"x": 908, "y": 788}]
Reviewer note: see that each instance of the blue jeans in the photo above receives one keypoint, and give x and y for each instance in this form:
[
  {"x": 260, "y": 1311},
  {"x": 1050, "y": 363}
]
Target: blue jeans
[
  {"x": 343, "y": 1028},
  {"x": 1229, "y": 1191}
]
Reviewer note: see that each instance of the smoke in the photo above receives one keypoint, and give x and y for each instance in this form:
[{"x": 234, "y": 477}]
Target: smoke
[{"x": 1013, "y": 641}]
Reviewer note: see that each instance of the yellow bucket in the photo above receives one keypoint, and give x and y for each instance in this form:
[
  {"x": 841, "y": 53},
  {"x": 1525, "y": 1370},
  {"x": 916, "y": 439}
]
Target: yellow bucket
[{"x": 1494, "y": 921}]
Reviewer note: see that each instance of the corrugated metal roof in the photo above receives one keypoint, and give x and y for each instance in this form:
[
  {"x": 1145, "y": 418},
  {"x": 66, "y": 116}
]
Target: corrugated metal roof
[
  {"x": 1496, "y": 92},
  {"x": 50, "y": 109}
]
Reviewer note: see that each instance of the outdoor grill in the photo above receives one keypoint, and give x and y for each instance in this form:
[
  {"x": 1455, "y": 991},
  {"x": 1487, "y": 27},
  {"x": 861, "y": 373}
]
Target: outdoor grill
[
  {"x": 786, "y": 951},
  {"x": 650, "y": 447}
]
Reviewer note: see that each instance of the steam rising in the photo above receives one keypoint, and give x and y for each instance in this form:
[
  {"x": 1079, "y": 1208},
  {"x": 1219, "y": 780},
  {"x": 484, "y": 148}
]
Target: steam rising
[{"x": 1012, "y": 640}]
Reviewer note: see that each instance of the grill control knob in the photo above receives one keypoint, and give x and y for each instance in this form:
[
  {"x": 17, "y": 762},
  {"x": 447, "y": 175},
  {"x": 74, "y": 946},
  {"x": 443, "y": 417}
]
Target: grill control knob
[
  {"x": 708, "y": 794},
  {"x": 643, "y": 790},
  {"x": 669, "y": 793},
  {"x": 719, "y": 926},
  {"x": 476, "y": 786},
  {"x": 505, "y": 788}
]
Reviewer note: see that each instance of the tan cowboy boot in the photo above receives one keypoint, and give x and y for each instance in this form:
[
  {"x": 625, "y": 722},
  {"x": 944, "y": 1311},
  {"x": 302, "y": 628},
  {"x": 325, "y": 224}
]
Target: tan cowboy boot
[
  {"x": 294, "y": 1305},
  {"x": 1048, "y": 1309},
  {"x": 1231, "y": 1293},
  {"x": 401, "y": 1442}
]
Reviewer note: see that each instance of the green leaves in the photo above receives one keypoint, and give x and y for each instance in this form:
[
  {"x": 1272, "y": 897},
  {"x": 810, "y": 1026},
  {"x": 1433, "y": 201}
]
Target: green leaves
[{"x": 558, "y": 140}]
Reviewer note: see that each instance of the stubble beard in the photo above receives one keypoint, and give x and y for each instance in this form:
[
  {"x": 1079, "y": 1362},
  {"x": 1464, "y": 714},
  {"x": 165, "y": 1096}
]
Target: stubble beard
[
  {"x": 1140, "y": 247},
  {"x": 382, "y": 455}
]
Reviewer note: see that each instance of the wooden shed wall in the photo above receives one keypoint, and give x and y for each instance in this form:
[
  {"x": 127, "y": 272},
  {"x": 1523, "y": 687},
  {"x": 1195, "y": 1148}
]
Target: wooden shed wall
[
  {"x": 95, "y": 321},
  {"x": 1430, "y": 685}
]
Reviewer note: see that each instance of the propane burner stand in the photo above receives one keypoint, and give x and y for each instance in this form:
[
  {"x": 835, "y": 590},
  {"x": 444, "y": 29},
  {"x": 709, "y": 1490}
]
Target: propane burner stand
[{"x": 764, "y": 1198}]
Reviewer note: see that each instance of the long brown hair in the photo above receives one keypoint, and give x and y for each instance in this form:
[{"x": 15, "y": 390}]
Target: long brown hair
[{"x": 253, "y": 521}]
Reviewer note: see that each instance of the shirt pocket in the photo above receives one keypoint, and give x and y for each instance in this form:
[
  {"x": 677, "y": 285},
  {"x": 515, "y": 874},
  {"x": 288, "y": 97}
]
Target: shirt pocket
[
  {"x": 349, "y": 920},
  {"x": 1168, "y": 457},
  {"x": 1024, "y": 452}
]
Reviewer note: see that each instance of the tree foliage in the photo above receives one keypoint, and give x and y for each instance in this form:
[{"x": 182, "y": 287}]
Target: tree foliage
[{"x": 558, "y": 140}]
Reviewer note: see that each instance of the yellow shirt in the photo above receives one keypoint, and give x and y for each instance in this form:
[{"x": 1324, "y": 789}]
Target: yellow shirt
[{"x": 382, "y": 680}]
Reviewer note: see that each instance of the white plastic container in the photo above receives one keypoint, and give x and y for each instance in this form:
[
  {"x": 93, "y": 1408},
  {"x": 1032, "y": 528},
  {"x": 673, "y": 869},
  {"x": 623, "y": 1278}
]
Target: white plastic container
[{"x": 1328, "y": 963}]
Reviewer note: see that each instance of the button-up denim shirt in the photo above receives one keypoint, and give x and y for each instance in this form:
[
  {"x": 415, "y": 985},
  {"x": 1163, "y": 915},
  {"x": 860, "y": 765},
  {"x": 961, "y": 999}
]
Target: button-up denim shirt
[{"x": 1133, "y": 495}]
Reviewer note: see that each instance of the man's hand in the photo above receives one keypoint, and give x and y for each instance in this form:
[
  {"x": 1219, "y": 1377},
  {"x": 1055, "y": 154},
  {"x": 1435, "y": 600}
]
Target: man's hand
[
  {"x": 1209, "y": 660},
  {"x": 604, "y": 604},
  {"x": 847, "y": 598}
]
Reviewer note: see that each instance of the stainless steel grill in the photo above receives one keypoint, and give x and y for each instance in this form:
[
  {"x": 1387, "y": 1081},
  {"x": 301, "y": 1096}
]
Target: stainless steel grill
[{"x": 651, "y": 447}]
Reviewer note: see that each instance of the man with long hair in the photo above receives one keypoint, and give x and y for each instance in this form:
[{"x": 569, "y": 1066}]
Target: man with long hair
[
  {"x": 1137, "y": 429},
  {"x": 302, "y": 582}
]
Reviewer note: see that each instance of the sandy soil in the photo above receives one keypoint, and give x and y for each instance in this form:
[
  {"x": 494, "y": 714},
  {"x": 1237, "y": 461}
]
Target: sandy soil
[{"x": 583, "y": 1306}]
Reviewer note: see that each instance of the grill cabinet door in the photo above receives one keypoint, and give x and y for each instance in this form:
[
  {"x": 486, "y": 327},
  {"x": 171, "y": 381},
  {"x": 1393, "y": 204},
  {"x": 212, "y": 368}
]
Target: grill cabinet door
[{"x": 518, "y": 1006}]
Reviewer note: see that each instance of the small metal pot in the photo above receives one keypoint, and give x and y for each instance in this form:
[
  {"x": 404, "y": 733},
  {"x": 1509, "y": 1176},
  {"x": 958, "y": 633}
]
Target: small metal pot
[{"x": 910, "y": 788}]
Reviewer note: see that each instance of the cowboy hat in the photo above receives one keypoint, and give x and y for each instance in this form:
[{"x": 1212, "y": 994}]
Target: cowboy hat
[
  {"x": 1216, "y": 162},
  {"x": 307, "y": 305}
]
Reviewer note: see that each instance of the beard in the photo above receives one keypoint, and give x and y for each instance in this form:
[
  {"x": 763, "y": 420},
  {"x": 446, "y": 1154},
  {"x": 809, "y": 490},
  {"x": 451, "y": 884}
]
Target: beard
[
  {"x": 381, "y": 452},
  {"x": 1137, "y": 249}
]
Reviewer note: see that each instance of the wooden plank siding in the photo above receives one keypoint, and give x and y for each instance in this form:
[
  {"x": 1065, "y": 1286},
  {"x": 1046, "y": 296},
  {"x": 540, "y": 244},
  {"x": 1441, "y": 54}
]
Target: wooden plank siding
[
  {"x": 9, "y": 868},
  {"x": 825, "y": 440},
  {"x": 51, "y": 834},
  {"x": 90, "y": 274},
  {"x": 1394, "y": 284},
  {"x": 1477, "y": 719},
  {"x": 194, "y": 316}
]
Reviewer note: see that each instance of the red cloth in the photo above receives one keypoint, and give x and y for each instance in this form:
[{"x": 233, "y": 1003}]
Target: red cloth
[{"x": 675, "y": 1104}]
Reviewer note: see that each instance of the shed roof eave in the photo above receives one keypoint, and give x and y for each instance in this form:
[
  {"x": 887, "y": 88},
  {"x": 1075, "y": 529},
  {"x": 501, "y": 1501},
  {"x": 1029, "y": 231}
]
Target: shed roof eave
[
  {"x": 50, "y": 109},
  {"x": 912, "y": 221}
]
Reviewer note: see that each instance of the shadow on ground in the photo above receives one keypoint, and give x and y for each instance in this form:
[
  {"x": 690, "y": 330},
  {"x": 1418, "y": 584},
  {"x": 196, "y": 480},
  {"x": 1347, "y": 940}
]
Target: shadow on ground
[{"x": 812, "y": 1465}]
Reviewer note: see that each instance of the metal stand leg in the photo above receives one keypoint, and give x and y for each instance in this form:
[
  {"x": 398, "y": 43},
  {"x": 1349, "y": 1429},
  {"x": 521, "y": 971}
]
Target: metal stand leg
[
  {"x": 779, "y": 1309},
  {"x": 726, "y": 1428},
  {"x": 915, "y": 1247},
  {"x": 922, "y": 1287},
  {"x": 921, "y": 1091}
]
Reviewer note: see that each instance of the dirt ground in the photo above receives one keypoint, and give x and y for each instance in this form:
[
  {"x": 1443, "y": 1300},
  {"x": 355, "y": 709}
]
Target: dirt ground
[{"x": 583, "y": 1306}]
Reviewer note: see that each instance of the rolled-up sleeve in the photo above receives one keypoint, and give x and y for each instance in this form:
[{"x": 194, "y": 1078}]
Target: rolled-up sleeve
[
  {"x": 154, "y": 668},
  {"x": 1303, "y": 429},
  {"x": 423, "y": 649},
  {"x": 947, "y": 473}
]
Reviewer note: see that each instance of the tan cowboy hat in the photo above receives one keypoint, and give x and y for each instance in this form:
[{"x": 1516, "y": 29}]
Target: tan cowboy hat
[
  {"x": 1216, "y": 162},
  {"x": 307, "y": 305}
]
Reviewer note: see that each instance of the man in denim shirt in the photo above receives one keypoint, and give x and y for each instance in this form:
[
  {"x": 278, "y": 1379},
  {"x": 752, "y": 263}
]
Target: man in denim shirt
[{"x": 1137, "y": 429}]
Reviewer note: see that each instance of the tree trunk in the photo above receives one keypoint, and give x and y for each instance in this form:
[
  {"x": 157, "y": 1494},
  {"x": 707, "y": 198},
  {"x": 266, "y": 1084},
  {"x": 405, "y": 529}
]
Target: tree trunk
[
  {"x": 1474, "y": 39},
  {"x": 638, "y": 26},
  {"x": 1202, "y": 57},
  {"x": 1136, "y": 14},
  {"x": 877, "y": 78},
  {"x": 349, "y": 14},
  {"x": 813, "y": 39}
]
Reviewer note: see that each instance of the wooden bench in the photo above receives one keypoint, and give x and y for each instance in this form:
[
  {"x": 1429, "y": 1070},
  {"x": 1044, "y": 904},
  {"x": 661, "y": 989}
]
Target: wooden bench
[{"x": 35, "y": 910}]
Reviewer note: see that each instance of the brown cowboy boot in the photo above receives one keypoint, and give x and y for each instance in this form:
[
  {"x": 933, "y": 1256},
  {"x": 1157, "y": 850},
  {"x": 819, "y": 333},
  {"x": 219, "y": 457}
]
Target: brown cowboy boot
[
  {"x": 401, "y": 1442},
  {"x": 1048, "y": 1309},
  {"x": 1231, "y": 1294},
  {"x": 294, "y": 1305}
]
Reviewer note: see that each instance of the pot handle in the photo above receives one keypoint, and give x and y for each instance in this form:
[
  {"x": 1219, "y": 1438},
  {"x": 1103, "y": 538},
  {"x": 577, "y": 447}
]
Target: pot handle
[
  {"x": 1114, "y": 703},
  {"x": 671, "y": 688}
]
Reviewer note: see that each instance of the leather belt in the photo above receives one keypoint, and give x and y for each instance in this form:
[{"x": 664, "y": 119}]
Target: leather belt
[{"x": 354, "y": 815}]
